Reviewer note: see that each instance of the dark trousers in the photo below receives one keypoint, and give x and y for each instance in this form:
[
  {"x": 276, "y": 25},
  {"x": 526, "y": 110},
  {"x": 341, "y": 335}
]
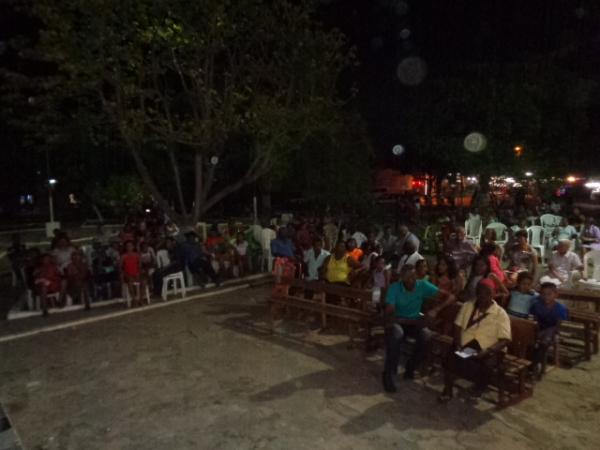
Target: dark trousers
[
  {"x": 201, "y": 265},
  {"x": 159, "y": 274},
  {"x": 394, "y": 336},
  {"x": 545, "y": 339}
]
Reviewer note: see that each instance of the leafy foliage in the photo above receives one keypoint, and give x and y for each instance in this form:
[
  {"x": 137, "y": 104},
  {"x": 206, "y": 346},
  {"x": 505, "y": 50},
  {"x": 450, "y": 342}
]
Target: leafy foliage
[{"x": 179, "y": 81}]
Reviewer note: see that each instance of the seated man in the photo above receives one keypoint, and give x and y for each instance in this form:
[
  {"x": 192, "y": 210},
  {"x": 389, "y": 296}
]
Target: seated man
[
  {"x": 410, "y": 256},
  {"x": 548, "y": 313},
  {"x": 404, "y": 302},
  {"x": 563, "y": 261},
  {"x": 482, "y": 329},
  {"x": 197, "y": 259},
  {"x": 460, "y": 249},
  {"x": 404, "y": 236}
]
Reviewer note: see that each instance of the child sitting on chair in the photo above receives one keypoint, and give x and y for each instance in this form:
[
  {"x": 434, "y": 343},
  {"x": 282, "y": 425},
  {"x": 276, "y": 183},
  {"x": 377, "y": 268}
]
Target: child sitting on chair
[
  {"x": 47, "y": 281},
  {"x": 522, "y": 296},
  {"x": 548, "y": 313},
  {"x": 131, "y": 272}
]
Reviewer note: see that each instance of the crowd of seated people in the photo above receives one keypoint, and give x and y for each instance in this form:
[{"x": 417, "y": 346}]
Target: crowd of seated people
[
  {"x": 492, "y": 283},
  {"x": 138, "y": 257}
]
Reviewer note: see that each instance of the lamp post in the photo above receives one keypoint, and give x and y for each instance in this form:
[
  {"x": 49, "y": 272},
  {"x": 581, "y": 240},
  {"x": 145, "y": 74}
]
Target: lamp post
[
  {"x": 51, "y": 225},
  {"x": 51, "y": 183}
]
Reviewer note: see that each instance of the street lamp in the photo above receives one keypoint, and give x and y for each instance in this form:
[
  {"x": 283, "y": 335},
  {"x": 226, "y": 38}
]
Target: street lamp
[
  {"x": 51, "y": 184},
  {"x": 518, "y": 151}
]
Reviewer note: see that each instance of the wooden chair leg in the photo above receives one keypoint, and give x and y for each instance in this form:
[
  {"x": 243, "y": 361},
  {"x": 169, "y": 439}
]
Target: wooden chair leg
[{"x": 587, "y": 336}]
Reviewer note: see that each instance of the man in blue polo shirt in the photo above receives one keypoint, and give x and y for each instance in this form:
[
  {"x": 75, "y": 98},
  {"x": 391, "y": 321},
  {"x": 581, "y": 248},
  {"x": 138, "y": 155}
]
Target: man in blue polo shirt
[{"x": 404, "y": 302}]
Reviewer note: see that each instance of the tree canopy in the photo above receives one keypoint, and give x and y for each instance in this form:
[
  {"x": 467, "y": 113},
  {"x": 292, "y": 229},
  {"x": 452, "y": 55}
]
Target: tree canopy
[{"x": 206, "y": 96}]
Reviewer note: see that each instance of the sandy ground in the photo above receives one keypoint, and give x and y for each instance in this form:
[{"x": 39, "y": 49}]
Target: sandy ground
[{"x": 207, "y": 375}]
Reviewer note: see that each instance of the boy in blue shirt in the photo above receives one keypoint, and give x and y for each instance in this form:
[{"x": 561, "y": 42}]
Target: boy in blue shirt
[
  {"x": 521, "y": 298},
  {"x": 404, "y": 301},
  {"x": 548, "y": 313}
]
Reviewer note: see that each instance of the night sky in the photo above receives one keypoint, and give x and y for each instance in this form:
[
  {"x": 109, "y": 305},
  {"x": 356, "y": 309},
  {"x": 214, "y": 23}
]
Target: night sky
[
  {"x": 443, "y": 34},
  {"x": 446, "y": 34}
]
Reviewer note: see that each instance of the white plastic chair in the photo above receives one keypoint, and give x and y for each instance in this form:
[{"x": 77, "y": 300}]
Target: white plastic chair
[
  {"x": 473, "y": 229},
  {"x": 501, "y": 231},
  {"x": 594, "y": 256},
  {"x": 178, "y": 282},
  {"x": 34, "y": 302},
  {"x": 127, "y": 294},
  {"x": 536, "y": 236},
  {"x": 550, "y": 220},
  {"x": 267, "y": 236},
  {"x": 162, "y": 258}
]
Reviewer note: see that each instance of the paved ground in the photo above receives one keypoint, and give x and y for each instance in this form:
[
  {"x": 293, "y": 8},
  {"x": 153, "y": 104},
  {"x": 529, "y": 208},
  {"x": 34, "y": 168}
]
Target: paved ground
[{"x": 207, "y": 375}]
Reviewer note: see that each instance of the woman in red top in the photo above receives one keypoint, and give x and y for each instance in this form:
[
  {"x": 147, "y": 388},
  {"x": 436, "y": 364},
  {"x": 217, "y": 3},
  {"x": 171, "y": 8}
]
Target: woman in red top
[
  {"x": 131, "y": 272},
  {"x": 489, "y": 251}
]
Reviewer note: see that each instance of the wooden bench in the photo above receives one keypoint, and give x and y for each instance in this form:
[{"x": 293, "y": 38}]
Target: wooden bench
[
  {"x": 510, "y": 367},
  {"x": 591, "y": 326},
  {"x": 352, "y": 307}
]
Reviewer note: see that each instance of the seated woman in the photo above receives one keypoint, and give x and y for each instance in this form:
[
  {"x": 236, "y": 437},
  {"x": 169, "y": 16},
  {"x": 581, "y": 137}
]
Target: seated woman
[
  {"x": 479, "y": 271},
  {"x": 446, "y": 275},
  {"x": 522, "y": 258},
  {"x": 339, "y": 266},
  {"x": 482, "y": 328},
  {"x": 488, "y": 251},
  {"x": 47, "y": 279}
]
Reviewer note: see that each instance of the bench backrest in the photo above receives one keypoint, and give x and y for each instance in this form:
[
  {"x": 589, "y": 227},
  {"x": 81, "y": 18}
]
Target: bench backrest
[
  {"x": 524, "y": 334},
  {"x": 446, "y": 317}
]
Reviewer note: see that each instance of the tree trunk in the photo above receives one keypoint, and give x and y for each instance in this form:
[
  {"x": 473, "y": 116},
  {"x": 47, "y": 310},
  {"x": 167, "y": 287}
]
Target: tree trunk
[
  {"x": 152, "y": 187},
  {"x": 178, "y": 187},
  {"x": 199, "y": 188},
  {"x": 265, "y": 191}
]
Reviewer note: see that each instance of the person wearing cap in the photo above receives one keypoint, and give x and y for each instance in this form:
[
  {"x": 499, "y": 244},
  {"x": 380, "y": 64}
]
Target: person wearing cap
[
  {"x": 404, "y": 302},
  {"x": 548, "y": 313},
  {"x": 482, "y": 328},
  {"x": 563, "y": 261}
]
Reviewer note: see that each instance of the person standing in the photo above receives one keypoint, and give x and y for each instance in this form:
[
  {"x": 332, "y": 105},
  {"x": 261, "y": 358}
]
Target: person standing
[{"x": 314, "y": 259}]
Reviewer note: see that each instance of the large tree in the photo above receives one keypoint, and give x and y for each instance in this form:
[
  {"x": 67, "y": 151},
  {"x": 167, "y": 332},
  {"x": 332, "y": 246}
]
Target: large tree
[{"x": 192, "y": 87}]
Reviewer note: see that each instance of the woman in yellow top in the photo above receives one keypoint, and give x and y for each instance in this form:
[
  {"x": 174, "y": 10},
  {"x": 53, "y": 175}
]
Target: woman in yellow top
[{"x": 338, "y": 266}]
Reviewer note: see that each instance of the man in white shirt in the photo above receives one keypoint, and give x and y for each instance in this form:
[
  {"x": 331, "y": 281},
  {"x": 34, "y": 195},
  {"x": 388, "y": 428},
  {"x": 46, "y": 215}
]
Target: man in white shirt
[
  {"x": 410, "y": 256},
  {"x": 314, "y": 259},
  {"x": 563, "y": 261},
  {"x": 404, "y": 236},
  {"x": 359, "y": 237}
]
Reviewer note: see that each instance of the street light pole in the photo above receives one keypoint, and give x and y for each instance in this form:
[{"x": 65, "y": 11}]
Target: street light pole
[{"x": 51, "y": 183}]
